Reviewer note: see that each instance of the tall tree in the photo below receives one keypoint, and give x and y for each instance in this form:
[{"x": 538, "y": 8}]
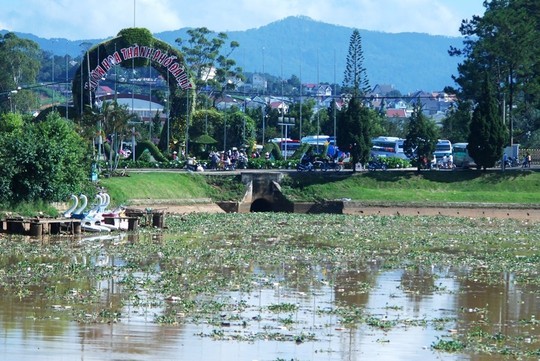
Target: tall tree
[
  {"x": 354, "y": 128},
  {"x": 504, "y": 43},
  {"x": 421, "y": 136},
  {"x": 355, "y": 80},
  {"x": 19, "y": 64},
  {"x": 487, "y": 131},
  {"x": 208, "y": 60}
]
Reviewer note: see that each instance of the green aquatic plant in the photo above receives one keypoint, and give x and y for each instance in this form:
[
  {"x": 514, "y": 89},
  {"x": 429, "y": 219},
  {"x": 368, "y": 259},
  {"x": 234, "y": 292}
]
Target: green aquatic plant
[
  {"x": 448, "y": 345},
  {"x": 283, "y": 307}
]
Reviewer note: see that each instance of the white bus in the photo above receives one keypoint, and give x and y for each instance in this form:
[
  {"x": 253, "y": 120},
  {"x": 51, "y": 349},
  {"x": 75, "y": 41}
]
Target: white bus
[
  {"x": 388, "y": 147},
  {"x": 442, "y": 148}
]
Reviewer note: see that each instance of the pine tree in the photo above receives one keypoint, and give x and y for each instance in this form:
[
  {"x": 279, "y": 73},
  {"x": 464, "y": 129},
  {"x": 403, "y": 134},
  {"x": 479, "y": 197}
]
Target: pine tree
[
  {"x": 354, "y": 128},
  {"x": 487, "y": 131},
  {"x": 355, "y": 79}
]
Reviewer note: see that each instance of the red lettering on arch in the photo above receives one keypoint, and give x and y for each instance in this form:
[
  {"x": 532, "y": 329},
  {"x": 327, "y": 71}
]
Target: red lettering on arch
[
  {"x": 106, "y": 64},
  {"x": 157, "y": 54},
  {"x": 117, "y": 58}
]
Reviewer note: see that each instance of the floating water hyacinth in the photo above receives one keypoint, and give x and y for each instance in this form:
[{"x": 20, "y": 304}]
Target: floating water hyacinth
[{"x": 293, "y": 278}]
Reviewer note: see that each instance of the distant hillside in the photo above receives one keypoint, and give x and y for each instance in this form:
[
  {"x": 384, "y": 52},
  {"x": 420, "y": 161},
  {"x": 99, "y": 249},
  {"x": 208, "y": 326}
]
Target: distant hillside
[{"x": 316, "y": 51}]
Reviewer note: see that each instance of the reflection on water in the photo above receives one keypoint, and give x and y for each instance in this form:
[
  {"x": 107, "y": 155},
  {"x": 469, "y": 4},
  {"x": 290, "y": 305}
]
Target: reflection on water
[{"x": 293, "y": 311}]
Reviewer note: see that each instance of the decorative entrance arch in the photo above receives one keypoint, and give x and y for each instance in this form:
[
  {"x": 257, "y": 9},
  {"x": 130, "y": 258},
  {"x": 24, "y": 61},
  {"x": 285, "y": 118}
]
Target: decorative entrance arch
[{"x": 134, "y": 47}]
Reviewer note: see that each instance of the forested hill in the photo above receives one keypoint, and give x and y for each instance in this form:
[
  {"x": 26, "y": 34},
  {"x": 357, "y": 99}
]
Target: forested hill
[
  {"x": 294, "y": 45},
  {"x": 317, "y": 51}
]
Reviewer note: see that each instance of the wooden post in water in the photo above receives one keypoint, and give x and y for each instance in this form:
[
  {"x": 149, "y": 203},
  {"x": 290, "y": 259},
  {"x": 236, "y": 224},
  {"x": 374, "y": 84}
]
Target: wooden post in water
[
  {"x": 157, "y": 220},
  {"x": 36, "y": 229},
  {"x": 133, "y": 224},
  {"x": 76, "y": 226}
]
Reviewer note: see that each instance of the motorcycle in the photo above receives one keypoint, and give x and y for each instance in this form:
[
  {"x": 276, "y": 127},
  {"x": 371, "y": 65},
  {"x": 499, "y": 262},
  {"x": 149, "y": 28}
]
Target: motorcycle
[
  {"x": 305, "y": 167},
  {"x": 509, "y": 162},
  {"x": 193, "y": 165},
  {"x": 242, "y": 162},
  {"x": 333, "y": 165},
  {"x": 375, "y": 164}
]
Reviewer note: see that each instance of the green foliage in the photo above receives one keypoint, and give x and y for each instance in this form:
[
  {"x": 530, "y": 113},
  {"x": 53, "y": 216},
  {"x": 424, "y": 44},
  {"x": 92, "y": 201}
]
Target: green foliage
[
  {"x": 43, "y": 162},
  {"x": 274, "y": 151},
  {"x": 10, "y": 123},
  {"x": 19, "y": 64},
  {"x": 355, "y": 80},
  {"x": 354, "y": 131},
  {"x": 204, "y": 50},
  {"x": 504, "y": 43},
  {"x": 225, "y": 188},
  {"x": 421, "y": 136},
  {"x": 301, "y": 151},
  {"x": 152, "y": 149},
  {"x": 131, "y": 36},
  {"x": 236, "y": 121},
  {"x": 487, "y": 132},
  {"x": 30, "y": 209},
  {"x": 395, "y": 163},
  {"x": 455, "y": 126}
]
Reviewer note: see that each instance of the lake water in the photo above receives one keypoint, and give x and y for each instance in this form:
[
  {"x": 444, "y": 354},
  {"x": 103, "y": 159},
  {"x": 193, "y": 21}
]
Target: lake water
[{"x": 293, "y": 311}]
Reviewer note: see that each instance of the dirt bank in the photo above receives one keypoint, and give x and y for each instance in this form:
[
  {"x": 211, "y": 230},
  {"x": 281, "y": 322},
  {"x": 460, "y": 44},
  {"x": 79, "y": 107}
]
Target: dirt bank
[{"x": 498, "y": 211}]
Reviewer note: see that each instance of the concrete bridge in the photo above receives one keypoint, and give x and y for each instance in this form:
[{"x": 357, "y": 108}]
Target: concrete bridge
[{"x": 263, "y": 194}]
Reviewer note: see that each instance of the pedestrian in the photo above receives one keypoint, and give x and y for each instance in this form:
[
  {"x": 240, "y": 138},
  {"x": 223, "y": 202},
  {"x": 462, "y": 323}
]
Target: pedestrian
[
  {"x": 528, "y": 160},
  {"x": 267, "y": 163}
]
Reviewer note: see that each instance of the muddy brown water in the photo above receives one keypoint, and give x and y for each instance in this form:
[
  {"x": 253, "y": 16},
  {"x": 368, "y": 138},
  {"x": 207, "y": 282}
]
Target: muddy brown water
[{"x": 423, "y": 306}]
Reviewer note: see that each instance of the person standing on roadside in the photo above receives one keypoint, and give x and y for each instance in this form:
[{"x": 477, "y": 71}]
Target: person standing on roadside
[{"x": 527, "y": 161}]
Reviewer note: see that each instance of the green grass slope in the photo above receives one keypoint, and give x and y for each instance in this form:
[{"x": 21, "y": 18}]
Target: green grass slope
[
  {"x": 426, "y": 187},
  {"x": 518, "y": 187}
]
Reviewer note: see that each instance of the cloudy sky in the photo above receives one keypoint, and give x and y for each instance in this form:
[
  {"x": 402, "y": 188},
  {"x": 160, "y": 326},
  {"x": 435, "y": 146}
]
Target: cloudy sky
[{"x": 92, "y": 19}]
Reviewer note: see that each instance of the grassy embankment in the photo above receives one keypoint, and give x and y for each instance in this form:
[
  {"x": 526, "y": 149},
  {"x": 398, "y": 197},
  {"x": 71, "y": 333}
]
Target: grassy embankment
[{"x": 518, "y": 187}]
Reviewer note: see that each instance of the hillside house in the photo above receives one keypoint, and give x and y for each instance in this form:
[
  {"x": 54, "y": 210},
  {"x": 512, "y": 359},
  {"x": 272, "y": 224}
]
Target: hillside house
[
  {"x": 381, "y": 90},
  {"x": 317, "y": 90},
  {"x": 397, "y": 113},
  {"x": 227, "y": 102},
  {"x": 279, "y": 105},
  {"x": 433, "y": 104}
]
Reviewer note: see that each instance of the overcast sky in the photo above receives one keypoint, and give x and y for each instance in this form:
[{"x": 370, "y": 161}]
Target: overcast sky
[{"x": 99, "y": 19}]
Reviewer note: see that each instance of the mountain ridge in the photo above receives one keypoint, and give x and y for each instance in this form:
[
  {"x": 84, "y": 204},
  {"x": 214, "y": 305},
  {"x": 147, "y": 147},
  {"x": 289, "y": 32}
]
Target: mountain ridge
[{"x": 316, "y": 52}]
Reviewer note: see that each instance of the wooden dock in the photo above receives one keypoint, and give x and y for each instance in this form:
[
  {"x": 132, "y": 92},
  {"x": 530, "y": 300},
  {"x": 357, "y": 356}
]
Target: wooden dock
[
  {"x": 148, "y": 217},
  {"x": 36, "y": 227}
]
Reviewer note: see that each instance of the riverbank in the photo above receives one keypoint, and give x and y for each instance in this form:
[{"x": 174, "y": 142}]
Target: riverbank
[{"x": 459, "y": 194}]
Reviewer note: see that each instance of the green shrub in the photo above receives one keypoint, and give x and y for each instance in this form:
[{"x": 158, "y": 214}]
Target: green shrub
[{"x": 394, "y": 162}]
